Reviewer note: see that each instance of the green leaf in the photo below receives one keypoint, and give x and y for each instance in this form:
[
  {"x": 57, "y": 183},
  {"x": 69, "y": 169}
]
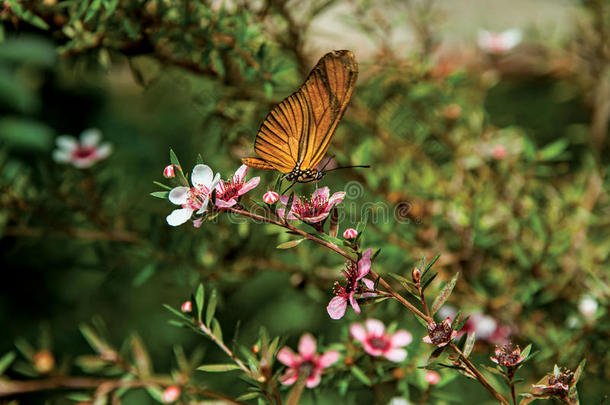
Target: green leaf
[
  {"x": 95, "y": 6},
  {"x": 211, "y": 309},
  {"x": 164, "y": 195},
  {"x": 24, "y": 133},
  {"x": 200, "y": 300},
  {"x": 553, "y": 150},
  {"x": 218, "y": 368},
  {"x": 144, "y": 274},
  {"x": 173, "y": 158},
  {"x": 469, "y": 344},
  {"x": 290, "y": 244},
  {"x": 164, "y": 186},
  {"x": 178, "y": 313},
  {"x": 429, "y": 265},
  {"x": 248, "y": 396},
  {"x": 27, "y": 15},
  {"x": 155, "y": 393},
  {"x": 359, "y": 374},
  {"x": 288, "y": 206},
  {"x": 6, "y": 361},
  {"x": 93, "y": 339},
  {"x": 216, "y": 329},
  {"x": 444, "y": 294}
]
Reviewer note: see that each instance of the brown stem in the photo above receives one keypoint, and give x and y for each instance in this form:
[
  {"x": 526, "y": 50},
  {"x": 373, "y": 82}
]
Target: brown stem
[
  {"x": 225, "y": 349},
  {"x": 478, "y": 374},
  {"x": 103, "y": 385},
  {"x": 390, "y": 290}
]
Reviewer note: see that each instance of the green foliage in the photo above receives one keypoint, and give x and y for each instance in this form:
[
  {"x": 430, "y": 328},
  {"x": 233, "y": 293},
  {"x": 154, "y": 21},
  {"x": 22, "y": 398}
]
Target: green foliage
[{"x": 527, "y": 230}]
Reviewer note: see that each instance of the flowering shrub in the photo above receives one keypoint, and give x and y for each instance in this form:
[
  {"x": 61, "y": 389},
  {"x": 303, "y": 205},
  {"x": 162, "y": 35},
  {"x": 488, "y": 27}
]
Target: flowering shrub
[{"x": 480, "y": 222}]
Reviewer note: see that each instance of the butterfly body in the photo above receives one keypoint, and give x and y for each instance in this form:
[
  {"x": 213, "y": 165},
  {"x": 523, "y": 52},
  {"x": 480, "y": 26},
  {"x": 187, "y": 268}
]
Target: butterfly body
[{"x": 296, "y": 134}]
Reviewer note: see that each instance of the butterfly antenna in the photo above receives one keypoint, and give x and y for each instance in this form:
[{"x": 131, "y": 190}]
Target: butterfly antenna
[{"x": 348, "y": 167}]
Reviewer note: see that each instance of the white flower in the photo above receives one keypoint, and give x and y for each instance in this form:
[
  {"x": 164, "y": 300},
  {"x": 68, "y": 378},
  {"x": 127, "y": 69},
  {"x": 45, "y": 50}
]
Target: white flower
[
  {"x": 499, "y": 42},
  {"x": 82, "y": 153},
  {"x": 588, "y": 307},
  {"x": 193, "y": 199}
]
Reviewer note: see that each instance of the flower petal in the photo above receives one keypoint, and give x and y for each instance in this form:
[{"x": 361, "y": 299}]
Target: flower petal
[
  {"x": 180, "y": 216},
  {"x": 401, "y": 338},
  {"x": 307, "y": 346},
  {"x": 66, "y": 142},
  {"x": 313, "y": 220},
  {"x": 179, "y": 195},
  {"x": 364, "y": 265},
  {"x": 336, "y": 198},
  {"x": 202, "y": 176},
  {"x": 226, "y": 204},
  {"x": 288, "y": 357},
  {"x": 321, "y": 193},
  {"x": 313, "y": 380},
  {"x": 354, "y": 303},
  {"x": 103, "y": 151},
  {"x": 427, "y": 339},
  {"x": 249, "y": 185},
  {"x": 83, "y": 163},
  {"x": 328, "y": 358},
  {"x": 240, "y": 173},
  {"x": 396, "y": 355},
  {"x": 358, "y": 332},
  {"x": 370, "y": 284},
  {"x": 375, "y": 327},
  {"x": 204, "y": 205},
  {"x": 336, "y": 307},
  {"x": 90, "y": 137},
  {"x": 61, "y": 156},
  {"x": 289, "y": 377}
]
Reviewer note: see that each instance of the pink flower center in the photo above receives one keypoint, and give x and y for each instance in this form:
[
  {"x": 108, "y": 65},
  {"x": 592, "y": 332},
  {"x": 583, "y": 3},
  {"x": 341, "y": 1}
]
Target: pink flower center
[
  {"x": 351, "y": 274},
  {"x": 310, "y": 208},
  {"x": 83, "y": 152},
  {"x": 306, "y": 368},
  {"x": 230, "y": 189},
  {"x": 196, "y": 197},
  {"x": 379, "y": 342}
]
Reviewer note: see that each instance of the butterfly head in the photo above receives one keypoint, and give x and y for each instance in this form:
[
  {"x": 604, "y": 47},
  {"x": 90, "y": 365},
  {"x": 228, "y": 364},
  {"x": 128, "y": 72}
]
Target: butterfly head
[{"x": 305, "y": 176}]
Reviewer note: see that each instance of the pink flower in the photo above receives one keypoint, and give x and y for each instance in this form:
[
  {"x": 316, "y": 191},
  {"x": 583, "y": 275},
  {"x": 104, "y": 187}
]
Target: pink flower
[
  {"x": 440, "y": 334},
  {"x": 508, "y": 355},
  {"x": 171, "y": 394},
  {"x": 228, "y": 192},
  {"x": 82, "y": 153},
  {"x": 354, "y": 273},
  {"x": 187, "y": 306},
  {"x": 313, "y": 210},
  {"x": 499, "y": 152},
  {"x": 498, "y": 42},
  {"x": 307, "y": 363},
  {"x": 169, "y": 171},
  {"x": 378, "y": 343},
  {"x": 350, "y": 233},
  {"x": 432, "y": 377},
  {"x": 194, "y": 200},
  {"x": 485, "y": 326}
]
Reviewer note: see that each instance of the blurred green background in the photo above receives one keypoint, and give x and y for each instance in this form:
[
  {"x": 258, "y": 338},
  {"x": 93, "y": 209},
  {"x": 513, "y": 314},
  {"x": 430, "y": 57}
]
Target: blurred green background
[{"x": 495, "y": 161}]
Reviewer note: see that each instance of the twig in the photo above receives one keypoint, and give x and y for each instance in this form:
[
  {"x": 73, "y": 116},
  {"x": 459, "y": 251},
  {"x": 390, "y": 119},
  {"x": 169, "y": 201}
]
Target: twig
[
  {"x": 390, "y": 290},
  {"x": 225, "y": 349}
]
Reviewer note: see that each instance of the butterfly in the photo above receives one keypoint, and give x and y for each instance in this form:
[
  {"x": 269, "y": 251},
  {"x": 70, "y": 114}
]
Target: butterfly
[{"x": 295, "y": 135}]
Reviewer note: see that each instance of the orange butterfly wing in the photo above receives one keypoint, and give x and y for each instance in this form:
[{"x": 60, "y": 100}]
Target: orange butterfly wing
[{"x": 300, "y": 128}]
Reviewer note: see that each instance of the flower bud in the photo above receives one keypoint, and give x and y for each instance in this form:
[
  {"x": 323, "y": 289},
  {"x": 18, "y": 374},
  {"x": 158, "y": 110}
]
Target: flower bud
[
  {"x": 416, "y": 274},
  {"x": 270, "y": 197},
  {"x": 171, "y": 394},
  {"x": 499, "y": 152},
  {"x": 255, "y": 349},
  {"x": 350, "y": 233},
  {"x": 187, "y": 306},
  {"x": 452, "y": 112},
  {"x": 432, "y": 377},
  {"x": 588, "y": 307},
  {"x": 44, "y": 361},
  {"x": 169, "y": 172}
]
